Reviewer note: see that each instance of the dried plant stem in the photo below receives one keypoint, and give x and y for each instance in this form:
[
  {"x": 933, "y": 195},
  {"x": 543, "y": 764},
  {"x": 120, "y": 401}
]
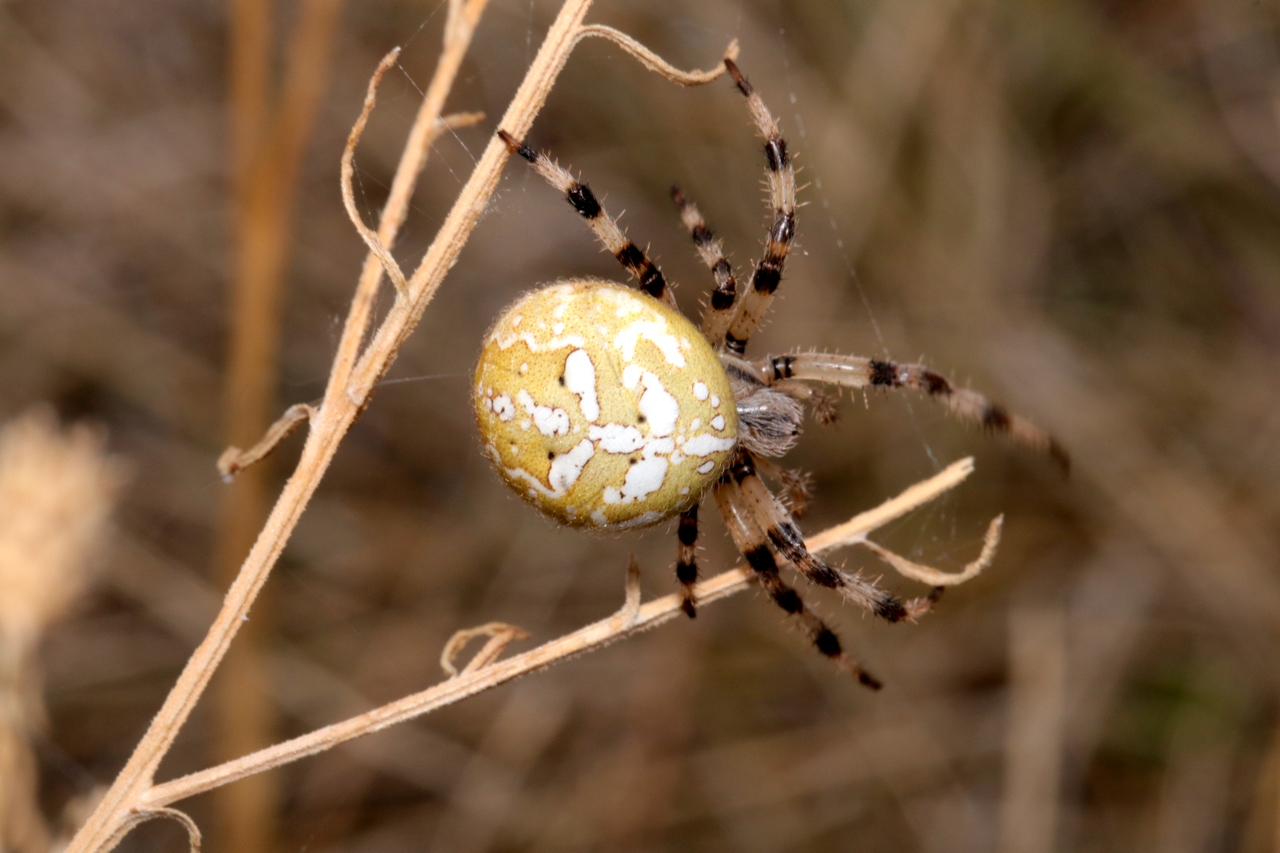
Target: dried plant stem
[
  {"x": 631, "y": 619},
  {"x": 459, "y": 27},
  {"x": 500, "y": 636},
  {"x": 351, "y": 383},
  {"x": 233, "y": 459}
]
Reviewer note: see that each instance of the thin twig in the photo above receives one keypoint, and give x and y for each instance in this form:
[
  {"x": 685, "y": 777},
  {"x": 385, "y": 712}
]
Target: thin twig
[
  {"x": 450, "y": 122},
  {"x": 455, "y": 121},
  {"x": 371, "y": 240},
  {"x": 631, "y": 597},
  {"x": 234, "y": 460},
  {"x": 500, "y": 636},
  {"x": 627, "y": 621},
  {"x": 460, "y": 25},
  {"x": 933, "y": 577},
  {"x": 181, "y": 818},
  {"x": 652, "y": 61}
]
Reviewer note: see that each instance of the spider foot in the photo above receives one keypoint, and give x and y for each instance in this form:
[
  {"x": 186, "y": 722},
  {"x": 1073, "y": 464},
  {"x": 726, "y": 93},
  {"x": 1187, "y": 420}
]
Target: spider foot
[{"x": 824, "y": 408}]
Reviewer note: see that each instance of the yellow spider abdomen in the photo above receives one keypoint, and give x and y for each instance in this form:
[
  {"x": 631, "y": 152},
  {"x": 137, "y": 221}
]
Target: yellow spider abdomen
[{"x": 602, "y": 406}]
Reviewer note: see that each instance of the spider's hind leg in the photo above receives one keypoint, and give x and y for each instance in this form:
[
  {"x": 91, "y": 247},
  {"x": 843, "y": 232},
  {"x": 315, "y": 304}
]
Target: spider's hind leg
[
  {"x": 754, "y": 547},
  {"x": 687, "y": 560},
  {"x": 796, "y": 485},
  {"x": 773, "y": 521}
]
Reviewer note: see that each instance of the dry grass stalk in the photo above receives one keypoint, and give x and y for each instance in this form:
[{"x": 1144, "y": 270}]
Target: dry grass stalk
[
  {"x": 632, "y": 618},
  {"x": 134, "y": 796},
  {"x": 56, "y": 493}
]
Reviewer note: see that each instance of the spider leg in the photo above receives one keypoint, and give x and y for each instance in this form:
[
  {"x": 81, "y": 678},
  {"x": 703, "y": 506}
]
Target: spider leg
[
  {"x": 821, "y": 404},
  {"x": 606, "y": 229},
  {"x": 719, "y": 310},
  {"x": 687, "y": 561},
  {"x": 797, "y": 485},
  {"x": 852, "y": 371},
  {"x": 773, "y": 521},
  {"x": 781, "y": 178},
  {"x": 749, "y": 540}
]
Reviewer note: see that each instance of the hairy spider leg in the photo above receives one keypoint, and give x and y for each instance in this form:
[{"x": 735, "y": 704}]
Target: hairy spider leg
[
  {"x": 772, "y": 520},
  {"x": 851, "y": 371},
  {"x": 606, "y": 228},
  {"x": 822, "y": 404},
  {"x": 751, "y": 542},
  {"x": 718, "y": 311},
  {"x": 796, "y": 485},
  {"x": 687, "y": 560},
  {"x": 781, "y": 177}
]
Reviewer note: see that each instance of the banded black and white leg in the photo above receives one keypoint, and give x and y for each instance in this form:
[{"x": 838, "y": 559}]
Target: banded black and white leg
[
  {"x": 718, "y": 312},
  {"x": 850, "y": 371},
  {"x": 753, "y": 545},
  {"x": 777, "y": 526},
  {"x": 781, "y": 178},
  {"x": 687, "y": 560},
  {"x": 606, "y": 228}
]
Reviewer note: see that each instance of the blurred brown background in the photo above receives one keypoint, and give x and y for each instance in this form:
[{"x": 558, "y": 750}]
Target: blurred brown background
[{"x": 1072, "y": 204}]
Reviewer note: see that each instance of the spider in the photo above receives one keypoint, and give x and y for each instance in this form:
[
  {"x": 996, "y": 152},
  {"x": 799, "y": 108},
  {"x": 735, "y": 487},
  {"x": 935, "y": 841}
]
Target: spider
[{"x": 606, "y": 408}]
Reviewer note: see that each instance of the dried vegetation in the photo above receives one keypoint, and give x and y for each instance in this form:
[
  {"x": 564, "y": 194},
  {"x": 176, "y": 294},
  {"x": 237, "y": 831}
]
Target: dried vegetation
[{"x": 1072, "y": 203}]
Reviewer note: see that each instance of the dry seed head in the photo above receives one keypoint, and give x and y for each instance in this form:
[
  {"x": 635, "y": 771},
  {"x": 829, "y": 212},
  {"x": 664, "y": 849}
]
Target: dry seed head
[{"x": 56, "y": 493}]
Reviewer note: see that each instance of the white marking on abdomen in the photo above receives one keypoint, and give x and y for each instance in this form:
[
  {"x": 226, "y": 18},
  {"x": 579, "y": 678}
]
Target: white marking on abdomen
[
  {"x": 580, "y": 378},
  {"x": 549, "y": 421},
  {"x": 530, "y": 340},
  {"x": 706, "y": 444},
  {"x": 616, "y": 438},
  {"x": 567, "y": 467},
  {"x": 643, "y": 479},
  {"x": 654, "y": 331},
  {"x": 657, "y": 406}
]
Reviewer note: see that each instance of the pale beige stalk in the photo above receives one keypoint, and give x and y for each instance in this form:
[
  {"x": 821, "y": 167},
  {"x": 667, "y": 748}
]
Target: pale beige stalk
[{"x": 631, "y": 619}]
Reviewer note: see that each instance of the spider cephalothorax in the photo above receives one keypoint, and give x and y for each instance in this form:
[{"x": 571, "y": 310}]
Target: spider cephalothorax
[{"x": 604, "y": 407}]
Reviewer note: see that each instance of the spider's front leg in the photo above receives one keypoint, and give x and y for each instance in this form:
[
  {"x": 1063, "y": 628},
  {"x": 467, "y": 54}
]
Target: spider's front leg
[
  {"x": 780, "y": 176},
  {"x": 606, "y": 228},
  {"x": 851, "y": 371},
  {"x": 718, "y": 312}
]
